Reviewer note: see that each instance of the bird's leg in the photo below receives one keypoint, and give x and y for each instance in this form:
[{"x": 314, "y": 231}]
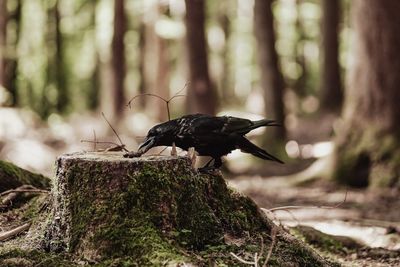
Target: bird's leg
[
  {"x": 208, "y": 163},
  {"x": 173, "y": 151},
  {"x": 192, "y": 156},
  {"x": 207, "y": 168},
  {"x": 217, "y": 163}
]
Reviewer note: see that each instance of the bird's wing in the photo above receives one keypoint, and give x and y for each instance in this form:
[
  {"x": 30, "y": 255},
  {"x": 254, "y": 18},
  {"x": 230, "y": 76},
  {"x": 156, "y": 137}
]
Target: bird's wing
[{"x": 243, "y": 126}]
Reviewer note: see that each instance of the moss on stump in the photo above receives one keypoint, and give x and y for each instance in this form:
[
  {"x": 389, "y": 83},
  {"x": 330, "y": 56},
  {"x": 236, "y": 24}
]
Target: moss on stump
[{"x": 155, "y": 211}]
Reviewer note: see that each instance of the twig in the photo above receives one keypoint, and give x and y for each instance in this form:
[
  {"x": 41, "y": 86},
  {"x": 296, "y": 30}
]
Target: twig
[
  {"x": 310, "y": 207},
  {"x": 262, "y": 246},
  {"x": 177, "y": 94},
  {"x": 276, "y": 218},
  {"x": 271, "y": 248},
  {"x": 122, "y": 145},
  {"x": 241, "y": 260},
  {"x": 11, "y": 233},
  {"x": 41, "y": 191}
]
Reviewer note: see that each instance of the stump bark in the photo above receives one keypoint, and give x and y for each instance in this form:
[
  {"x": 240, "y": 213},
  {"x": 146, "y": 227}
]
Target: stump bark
[{"x": 158, "y": 211}]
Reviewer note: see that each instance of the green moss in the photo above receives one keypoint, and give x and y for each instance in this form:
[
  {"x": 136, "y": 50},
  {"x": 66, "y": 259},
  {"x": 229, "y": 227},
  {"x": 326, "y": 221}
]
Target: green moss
[
  {"x": 30, "y": 258},
  {"x": 12, "y": 176}
]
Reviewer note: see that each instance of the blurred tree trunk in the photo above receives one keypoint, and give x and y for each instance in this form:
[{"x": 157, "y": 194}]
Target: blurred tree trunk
[
  {"x": 93, "y": 96},
  {"x": 331, "y": 87},
  {"x": 12, "y": 64},
  {"x": 225, "y": 23},
  {"x": 63, "y": 98},
  {"x": 3, "y": 41},
  {"x": 163, "y": 72},
  {"x": 202, "y": 96},
  {"x": 142, "y": 63},
  {"x": 368, "y": 147},
  {"x": 118, "y": 59},
  {"x": 271, "y": 78},
  {"x": 300, "y": 83}
]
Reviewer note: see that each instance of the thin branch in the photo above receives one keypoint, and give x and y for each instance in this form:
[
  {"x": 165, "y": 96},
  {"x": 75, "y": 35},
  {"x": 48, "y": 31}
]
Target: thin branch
[
  {"x": 112, "y": 128},
  {"x": 241, "y": 260},
  {"x": 101, "y": 142},
  {"x": 167, "y": 101},
  {"x": 271, "y": 248},
  {"x": 13, "y": 232},
  {"x": 33, "y": 190}
]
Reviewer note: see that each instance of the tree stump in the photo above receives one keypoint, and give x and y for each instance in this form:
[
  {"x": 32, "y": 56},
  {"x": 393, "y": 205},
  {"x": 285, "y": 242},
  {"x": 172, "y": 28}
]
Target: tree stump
[{"x": 159, "y": 211}]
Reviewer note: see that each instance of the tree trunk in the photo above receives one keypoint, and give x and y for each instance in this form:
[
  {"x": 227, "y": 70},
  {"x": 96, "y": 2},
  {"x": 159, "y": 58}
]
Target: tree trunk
[
  {"x": 12, "y": 64},
  {"x": 93, "y": 94},
  {"x": 142, "y": 63},
  {"x": 271, "y": 77},
  {"x": 202, "y": 96},
  {"x": 3, "y": 41},
  {"x": 331, "y": 87},
  {"x": 60, "y": 73},
  {"x": 225, "y": 84},
  {"x": 155, "y": 211},
  {"x": 118, "y": 59},
  {"x": 300, "y": 83},
  {"x": 368, "y": 151}
]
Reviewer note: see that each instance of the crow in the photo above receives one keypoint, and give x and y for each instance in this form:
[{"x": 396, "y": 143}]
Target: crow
[{"x": 209, "y": 135}]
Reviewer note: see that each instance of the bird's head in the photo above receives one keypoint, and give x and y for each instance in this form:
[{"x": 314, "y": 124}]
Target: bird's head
[{"x": 159, "y": 135}]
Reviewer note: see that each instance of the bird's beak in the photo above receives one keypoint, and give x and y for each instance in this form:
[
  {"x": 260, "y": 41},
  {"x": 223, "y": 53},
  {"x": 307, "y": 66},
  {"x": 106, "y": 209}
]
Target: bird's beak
[{"x": 148, "y": 143}]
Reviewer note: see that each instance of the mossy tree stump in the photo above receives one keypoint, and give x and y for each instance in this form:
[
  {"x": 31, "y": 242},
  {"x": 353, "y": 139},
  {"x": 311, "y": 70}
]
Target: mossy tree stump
[{"x": 157, "y": 211}]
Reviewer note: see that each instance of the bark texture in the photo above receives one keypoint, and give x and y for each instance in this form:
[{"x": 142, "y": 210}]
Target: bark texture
[
  {"x": 202, "y": 96},
  {"x": 368, "y": 150},
  {"x": 271, "y": 77},
  {"x": 331, "y": 88}
]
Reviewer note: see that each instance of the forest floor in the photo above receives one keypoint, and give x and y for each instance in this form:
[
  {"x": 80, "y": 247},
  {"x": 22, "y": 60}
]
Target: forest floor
[{"x": 366, "y": 222}]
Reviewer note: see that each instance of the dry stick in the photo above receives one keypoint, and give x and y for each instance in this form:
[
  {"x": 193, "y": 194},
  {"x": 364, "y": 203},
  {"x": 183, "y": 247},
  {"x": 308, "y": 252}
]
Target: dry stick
[
  {"x": 122, "y": 145},
  {"x": 24, "y": 191},
  {"x": 241, "y": 260},
  {"x": 276, "y": 218},
  {"x": 7, "y": 234},
  {"x": 310, "y": 207},
  {"x": 262, "y": 246},
  {"x": 273, "y": 241}
]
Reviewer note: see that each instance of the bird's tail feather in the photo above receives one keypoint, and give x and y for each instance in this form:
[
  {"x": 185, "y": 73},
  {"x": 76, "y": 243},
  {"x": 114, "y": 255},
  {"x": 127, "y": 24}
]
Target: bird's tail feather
[{"x": 248, "y": 147}]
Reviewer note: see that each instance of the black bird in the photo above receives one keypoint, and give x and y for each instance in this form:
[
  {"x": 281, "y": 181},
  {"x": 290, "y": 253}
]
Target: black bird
[{"x": 209, "y": 135}]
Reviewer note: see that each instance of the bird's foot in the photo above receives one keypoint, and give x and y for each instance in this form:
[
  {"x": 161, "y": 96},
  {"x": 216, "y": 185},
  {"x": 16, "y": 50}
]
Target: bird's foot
[
  {"x": 132, "y": 154},
  {"x": 208, "y": 170}
]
